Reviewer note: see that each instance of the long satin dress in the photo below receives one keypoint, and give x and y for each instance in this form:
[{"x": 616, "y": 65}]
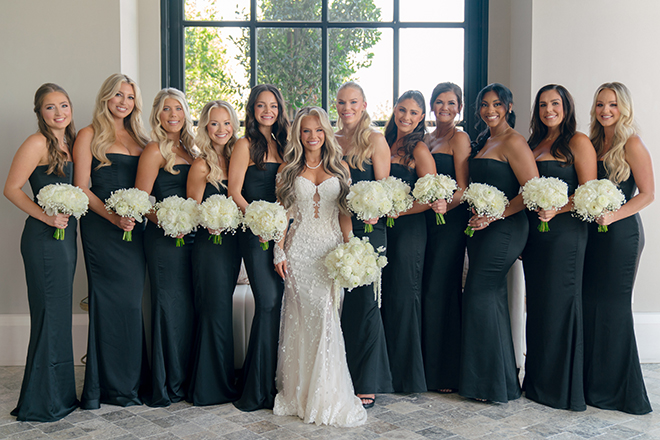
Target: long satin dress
[
  {"x": 442, "y": 289},
  {"x": 612, "y": 374},
  {"x": 553, "y": 262},
  {"x": 488, "y": 363},
  {"x": 261, "y": 358},
  {"x": 172, "y": 314},
  {"x": 402, "y": 295},
  {"x": 361, "y": 322},
  {"x": 116, "y": 351},
  {"x": 48, "y": 392},
  {"x": 215, "y": 271}
]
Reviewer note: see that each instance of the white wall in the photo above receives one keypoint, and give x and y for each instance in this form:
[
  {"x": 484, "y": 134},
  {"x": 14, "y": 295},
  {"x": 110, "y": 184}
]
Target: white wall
[{"x": 76, "y": 44}]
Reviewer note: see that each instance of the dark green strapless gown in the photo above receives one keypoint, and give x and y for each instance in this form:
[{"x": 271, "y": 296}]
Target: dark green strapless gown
[
  {"x": 361, "y": 323},
  {"x": 402, "y": 295},
  {"x": 553, "y": 263},
  {"x": 48, "y": 392},
  {"x": 267, "y": 287},
  {"x": 442, "y": 289},
  {"x": 172, "y": 315},
  {"x": 116, "y": 354},
  {"x": 612, "y": 374},
  {"x": 215, "y": 271},
  {"x": 488, "y": 364}
]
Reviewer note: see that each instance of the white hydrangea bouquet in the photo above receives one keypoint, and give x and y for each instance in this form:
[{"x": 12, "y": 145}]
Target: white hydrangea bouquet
[
  {"x": 129, "y": 202},
  {"x": 486, "y": 200},
  {"x": 595, "y": 197},
  {"x": 368, "y": 199},
  {"x": 434, "y": 187},
  {"x": 62, "y": 198},
  {"x": 267, "y": 220},
  {"x": 545, "y": 193},
  {"x": 355, "y": 264},
  {"x": 177, "y": 216},
  {"x": 219, "y": 213},
  {"x": 399, "y": 192}
]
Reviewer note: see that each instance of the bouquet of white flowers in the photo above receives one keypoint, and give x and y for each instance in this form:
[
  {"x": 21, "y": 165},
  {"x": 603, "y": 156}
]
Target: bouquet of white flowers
[
  {"x": 595, "y": 197},
  {"x": 62, "y": 198},
  {"x": 434, "y": 187},
  {"x": 399, "y": 192},
  {"x": 177, "y": 216},
  {"x": 219, "y": 213},
  {"x": 545, "y": 193},
  {"x": 355, "y": 264},
  {"x": 368, "y": 199},
  {"x": 267, "y": 220},
  {"x": 485, "y": 200},
  {"x": 130, "y": 202}
]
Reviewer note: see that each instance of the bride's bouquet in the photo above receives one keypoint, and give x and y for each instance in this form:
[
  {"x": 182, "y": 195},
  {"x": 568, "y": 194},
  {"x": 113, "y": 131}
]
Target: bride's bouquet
[
  {"x": 355, "y": 264},
  {"x": 177, "y": 216},
  {"x": 62, "y": 198},
  {"x": 595, "y": 197},
  {"x": 219, "y": 213},
  {"x": 368, "y": 199},
  {"x": 399, "y": 192},
  {"x": 267, "y": 220},
  {"x": 545, "y": 193},
  {"x": 486, "y": 200},
  {"x": 129, "y": 202},
  {"x": 434, "y": 187}
]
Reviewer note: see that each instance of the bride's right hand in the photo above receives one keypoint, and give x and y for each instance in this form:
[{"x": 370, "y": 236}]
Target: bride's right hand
[{"x": 280, "y": 268}]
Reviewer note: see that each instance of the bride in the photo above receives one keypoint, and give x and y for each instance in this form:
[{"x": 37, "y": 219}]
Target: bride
[{"x": 312, "y": 377}]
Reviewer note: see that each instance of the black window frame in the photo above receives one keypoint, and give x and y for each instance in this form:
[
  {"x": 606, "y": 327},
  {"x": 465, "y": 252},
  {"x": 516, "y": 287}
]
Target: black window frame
[{"x": 475, "y": 26}]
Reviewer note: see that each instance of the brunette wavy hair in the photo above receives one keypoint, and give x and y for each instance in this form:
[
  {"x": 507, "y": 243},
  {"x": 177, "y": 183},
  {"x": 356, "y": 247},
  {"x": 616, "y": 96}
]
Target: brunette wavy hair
[
  {"x": 409, "y": 141},
  {"x": 280, "y": 129},
  {"x": 559, "y": 148},
  {"x": 57, "y": 158}
]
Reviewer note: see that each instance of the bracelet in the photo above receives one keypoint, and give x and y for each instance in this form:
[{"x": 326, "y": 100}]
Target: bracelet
[{"x": 278, "y": 255}]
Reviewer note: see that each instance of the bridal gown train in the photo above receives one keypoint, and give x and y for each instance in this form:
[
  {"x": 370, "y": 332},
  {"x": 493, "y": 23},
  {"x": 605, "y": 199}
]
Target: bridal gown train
[{"x": 312, "y": 378}]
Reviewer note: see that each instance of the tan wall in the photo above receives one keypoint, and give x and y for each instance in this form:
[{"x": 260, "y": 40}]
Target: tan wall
[{"x": 581, "y": 44}]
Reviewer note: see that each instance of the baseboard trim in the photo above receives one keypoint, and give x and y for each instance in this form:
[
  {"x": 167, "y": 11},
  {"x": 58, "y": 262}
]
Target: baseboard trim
[{"x": 15, "y": 331}]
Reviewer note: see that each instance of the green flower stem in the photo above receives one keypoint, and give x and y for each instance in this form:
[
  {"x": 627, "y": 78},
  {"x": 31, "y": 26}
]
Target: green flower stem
[
  {"x": 128, "y": 236},
  {"x": 217, "y": 239},
  {"x": 601, "y": 228},
  {"x": 390, "y": 222},
  {"x": 59, "y": 234},
  {"x": 469, "y": 231},
  {"x": 439, "y": 219},
  {"x": 264, "y": 246},
  {"x": 368, "y": 228},
  {"x": 180, "y": 242},
  {"x": 543, "y": 227}
]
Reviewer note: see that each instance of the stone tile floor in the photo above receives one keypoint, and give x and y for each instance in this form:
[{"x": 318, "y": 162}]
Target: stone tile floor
[{"x": 395, "y": 416}]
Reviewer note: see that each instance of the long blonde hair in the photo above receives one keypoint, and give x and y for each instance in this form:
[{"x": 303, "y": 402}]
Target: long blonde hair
[
  {"x": 57, "y": 158},
  {"x": 203, "y": 141},
  {"x": 102, "y": 120},
  {"x": 614, "y": 159},
  {"x": 158, "y": 133},
  {"x": 294, "y": 157},
  {"x": 363, "y": 149}
]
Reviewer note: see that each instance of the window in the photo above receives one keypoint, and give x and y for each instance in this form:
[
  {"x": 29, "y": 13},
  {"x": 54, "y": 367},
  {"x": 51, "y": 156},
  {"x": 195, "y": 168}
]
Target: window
[{"x": 221, "y": 48}]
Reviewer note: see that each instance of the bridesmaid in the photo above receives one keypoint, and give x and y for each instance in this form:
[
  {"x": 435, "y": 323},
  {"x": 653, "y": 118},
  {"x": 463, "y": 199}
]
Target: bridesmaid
[
  {"x": 107, "y": 151},
  {"x": 215, "y": 267},
  {"x": 445, "y": 250},
  {"x": 406, "y": 242},
  {"x": 501, "y": 159},
  {"x": 553, "y": 259},
  {"x": 48, "y": 392},
  {"x": 163, "y": 172},
  {"x": 368, "y": 156},
  {"x": 254, "y": 163},
  {"x": 613, "y": 377}
]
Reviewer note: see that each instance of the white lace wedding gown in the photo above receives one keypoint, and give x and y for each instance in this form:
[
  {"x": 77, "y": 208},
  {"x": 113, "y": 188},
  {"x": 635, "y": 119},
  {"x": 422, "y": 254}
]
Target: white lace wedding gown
[{"x": 313, "y": 380}]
